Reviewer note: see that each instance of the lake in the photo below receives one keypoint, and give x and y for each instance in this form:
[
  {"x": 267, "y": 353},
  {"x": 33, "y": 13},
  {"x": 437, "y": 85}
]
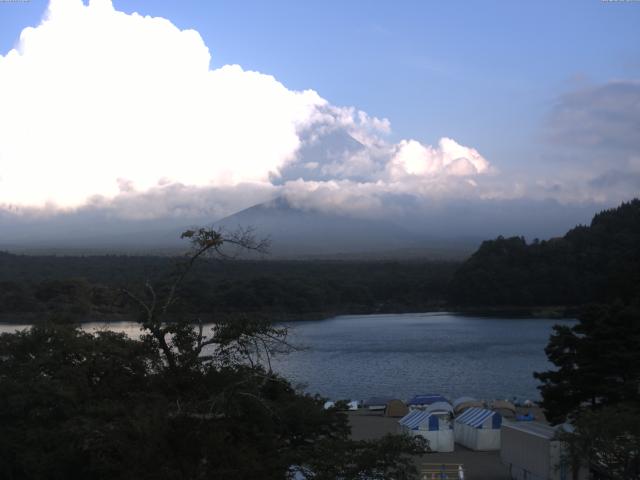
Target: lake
[
  {"x": 358, "y": 356},
  {"x": 401, "y": 355}
]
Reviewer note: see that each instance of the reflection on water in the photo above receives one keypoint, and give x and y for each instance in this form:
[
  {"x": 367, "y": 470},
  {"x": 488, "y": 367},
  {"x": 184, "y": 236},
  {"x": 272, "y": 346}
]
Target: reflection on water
[
  {"x": 400, "y": 355},
  {"x": 132, "y": 329}
]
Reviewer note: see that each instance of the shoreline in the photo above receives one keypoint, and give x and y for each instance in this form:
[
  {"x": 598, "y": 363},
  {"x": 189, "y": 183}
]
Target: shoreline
[{"x": 531, "y": 312}]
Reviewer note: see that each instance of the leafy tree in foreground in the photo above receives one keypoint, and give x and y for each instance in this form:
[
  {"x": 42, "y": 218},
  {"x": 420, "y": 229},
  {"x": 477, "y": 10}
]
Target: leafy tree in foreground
[
  {"x": 179, "y": 403},
  {"x": 597, "y": 360},
  {"x": 597, "y": 388},
  {"x": 609, "y": 440}
]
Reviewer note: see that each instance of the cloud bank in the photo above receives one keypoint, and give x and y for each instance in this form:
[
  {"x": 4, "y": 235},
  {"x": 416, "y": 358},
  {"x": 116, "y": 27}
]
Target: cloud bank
[
  {"x": 603, "y": 116},
  {"x": 102, "y": 109},
  {"x": 112, "y": 121},
  {"x": 595, "y": 131}
]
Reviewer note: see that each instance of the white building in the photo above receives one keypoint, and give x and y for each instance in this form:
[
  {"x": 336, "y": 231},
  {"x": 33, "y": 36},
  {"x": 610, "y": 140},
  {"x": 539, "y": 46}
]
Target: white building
[
  {"x": 531, "y": 451},
  {"x": 478, "y": 429},
  {"x": 438, "y": 430}
]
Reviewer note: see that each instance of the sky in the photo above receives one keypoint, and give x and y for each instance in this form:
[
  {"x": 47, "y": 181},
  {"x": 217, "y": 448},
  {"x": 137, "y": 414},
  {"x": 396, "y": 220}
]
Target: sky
[{"x": 190, "y": 109}]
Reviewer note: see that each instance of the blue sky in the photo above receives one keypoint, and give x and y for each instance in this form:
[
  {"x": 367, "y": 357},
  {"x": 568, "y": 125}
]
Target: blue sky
[
  {"x": 483, "y": 72},
  {"x": 541, "y": 100}
]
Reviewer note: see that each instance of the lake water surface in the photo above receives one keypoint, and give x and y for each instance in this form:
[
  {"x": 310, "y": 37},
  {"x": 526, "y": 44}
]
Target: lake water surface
[
  {"x": 358, "y": 356},
  {"x": 402, "y": 355}
]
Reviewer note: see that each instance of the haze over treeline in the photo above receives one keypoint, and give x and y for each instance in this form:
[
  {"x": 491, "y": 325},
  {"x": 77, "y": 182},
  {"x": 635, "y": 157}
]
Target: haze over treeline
[
  {"x": 448, "y": 231},
  {"x": 597, "y": 262}
]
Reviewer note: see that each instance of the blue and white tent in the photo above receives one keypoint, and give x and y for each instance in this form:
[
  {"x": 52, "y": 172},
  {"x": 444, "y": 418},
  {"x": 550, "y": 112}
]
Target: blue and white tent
[
  {"x": 437, "y": 430},
  {"x": 424, "y": 400},
  {"x": 418, "y": 419},
  {"x": 478, "y": 429}
]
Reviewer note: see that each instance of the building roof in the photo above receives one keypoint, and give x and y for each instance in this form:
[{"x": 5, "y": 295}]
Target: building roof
[
  {"x": 503, "y": 404},
  {"x": 461, "y": 400},
  {"x": 533, "y": 428},
  {"x": 426, "y": 399},
  {"x": 396, "y": 408},
  {"x": 475, "y": 417},
  {"x": 377, "y": 401},
  {"x": 439, "y": 407}
]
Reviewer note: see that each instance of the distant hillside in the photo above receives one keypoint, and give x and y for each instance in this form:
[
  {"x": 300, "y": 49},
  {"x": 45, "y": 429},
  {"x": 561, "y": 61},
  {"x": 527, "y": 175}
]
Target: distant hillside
[
  {"x": 599, "y": 262},
  {"x": 396, "y": 228},
  {"x": 311, "y": 234}
]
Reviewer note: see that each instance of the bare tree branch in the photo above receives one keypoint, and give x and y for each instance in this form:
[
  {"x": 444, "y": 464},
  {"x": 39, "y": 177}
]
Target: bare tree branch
[{"x": 254, "y": 342}]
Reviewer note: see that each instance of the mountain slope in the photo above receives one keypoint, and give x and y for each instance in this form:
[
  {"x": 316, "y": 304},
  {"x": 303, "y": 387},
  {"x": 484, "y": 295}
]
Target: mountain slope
[{"x": 308, "y": 233}]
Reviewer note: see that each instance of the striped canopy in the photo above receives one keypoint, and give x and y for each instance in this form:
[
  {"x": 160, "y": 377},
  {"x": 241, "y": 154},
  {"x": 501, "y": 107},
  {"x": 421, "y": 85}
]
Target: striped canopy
[
  {"x": 415, "y": 418},
  {"x": 476, "y": 417}
]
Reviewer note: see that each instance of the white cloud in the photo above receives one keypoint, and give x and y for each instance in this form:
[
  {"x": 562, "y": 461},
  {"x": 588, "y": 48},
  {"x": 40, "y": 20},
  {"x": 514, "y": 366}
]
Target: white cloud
[
  {"x": 92, "y": 95},
  {"x": 102, "y": 108},
  {"x": 413, "y": 158}
]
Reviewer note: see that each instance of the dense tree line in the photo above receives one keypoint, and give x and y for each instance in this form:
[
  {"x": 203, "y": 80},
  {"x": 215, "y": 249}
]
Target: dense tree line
[
  {"x": 595, "y": 263},
  {"x": 180, "y": 402},
  {"x": 89, "y": 285},
  {"x": 78, "y": 405},
  {"x": 597, "y": 362},
  {"x": 75, "y": 405},
  {"x": 595, "y": 385}
]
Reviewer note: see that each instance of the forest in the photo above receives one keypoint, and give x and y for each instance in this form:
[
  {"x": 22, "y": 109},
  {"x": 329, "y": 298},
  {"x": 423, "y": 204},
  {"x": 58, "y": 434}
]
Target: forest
[
  {"x": 90, "y": 286},
  {"x": 595, "y": 263},
  {"x": 104, "y": 394},
  {"x": 179, "y": 402}
]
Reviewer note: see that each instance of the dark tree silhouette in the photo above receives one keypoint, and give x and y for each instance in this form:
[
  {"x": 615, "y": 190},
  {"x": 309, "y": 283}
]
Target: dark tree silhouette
[
  {"x": 181, "y": 402},
  {"x": 595, "y": 263},
  {"x": 597, "y": 362}
]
